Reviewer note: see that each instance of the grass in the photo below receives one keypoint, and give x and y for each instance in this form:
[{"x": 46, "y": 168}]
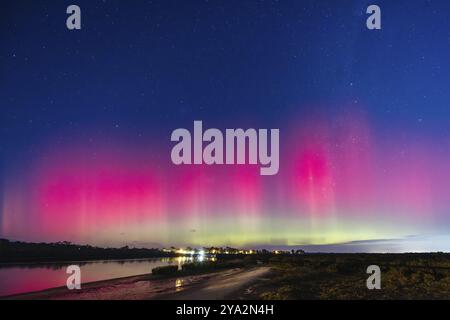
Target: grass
[{"x": 343, "y": 276}]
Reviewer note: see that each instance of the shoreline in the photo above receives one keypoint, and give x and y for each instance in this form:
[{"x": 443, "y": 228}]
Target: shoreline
[
  {"x": 88, "y": 285},
  {"x": 148, "y": 286}
]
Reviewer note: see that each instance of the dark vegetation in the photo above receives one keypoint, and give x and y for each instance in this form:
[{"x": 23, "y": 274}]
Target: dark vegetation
[
  {"x": 165, "y": 270},
  {"x": 343, "y": 276},
  {"x": 198, "y": 267},
  {"x": 14, "y": 252}
]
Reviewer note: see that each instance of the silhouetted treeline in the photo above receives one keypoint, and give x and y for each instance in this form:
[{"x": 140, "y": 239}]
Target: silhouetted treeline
[{"x": 66, "y": 251}]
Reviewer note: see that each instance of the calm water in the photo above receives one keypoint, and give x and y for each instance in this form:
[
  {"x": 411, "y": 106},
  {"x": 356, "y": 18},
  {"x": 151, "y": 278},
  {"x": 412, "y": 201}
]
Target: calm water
[{"x": 24, "y": 278}]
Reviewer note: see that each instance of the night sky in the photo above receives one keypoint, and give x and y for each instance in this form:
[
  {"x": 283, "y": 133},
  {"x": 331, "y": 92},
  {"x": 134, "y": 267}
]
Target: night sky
[{"x": 364, "y": 118}]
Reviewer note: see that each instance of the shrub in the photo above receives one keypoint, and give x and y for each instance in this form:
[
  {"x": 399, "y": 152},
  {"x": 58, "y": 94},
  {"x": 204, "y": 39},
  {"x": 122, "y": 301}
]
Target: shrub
[
  {"x": 166, "y": 270},
  {"x": 207, "y": 266}
]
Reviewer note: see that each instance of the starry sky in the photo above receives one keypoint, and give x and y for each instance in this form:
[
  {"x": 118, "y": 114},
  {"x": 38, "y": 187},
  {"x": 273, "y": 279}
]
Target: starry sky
[{"x": 364, "y": 118}]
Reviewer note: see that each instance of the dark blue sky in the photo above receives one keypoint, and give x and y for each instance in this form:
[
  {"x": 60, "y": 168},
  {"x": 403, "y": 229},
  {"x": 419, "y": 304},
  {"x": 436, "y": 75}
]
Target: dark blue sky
[{"x": 153, "y": 64}]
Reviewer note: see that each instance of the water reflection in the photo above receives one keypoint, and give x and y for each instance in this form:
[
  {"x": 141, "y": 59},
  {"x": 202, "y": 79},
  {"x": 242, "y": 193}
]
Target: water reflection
[
  {"x": 22, "y": 278},
  {"x": 183, "y": 260},
  {"x": 179, "y": 285}
]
